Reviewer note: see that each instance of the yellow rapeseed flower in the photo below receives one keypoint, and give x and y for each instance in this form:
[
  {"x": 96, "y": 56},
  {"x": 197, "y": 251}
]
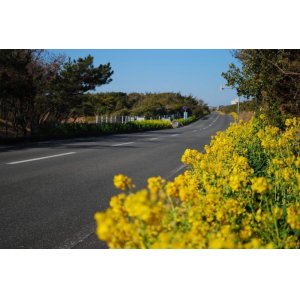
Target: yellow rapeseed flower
[
  {"x": 293, "y": 216},
  {"x": 156, "y": 183},
  {"x": 234, "y": 182},
  {"x": 172, "y": 189},
  {"x": 123, "y": 182},
  {"x": 216, "y": 202},
  {"x": 259, "y": 185},
  {"x": 262, "y": 116}
]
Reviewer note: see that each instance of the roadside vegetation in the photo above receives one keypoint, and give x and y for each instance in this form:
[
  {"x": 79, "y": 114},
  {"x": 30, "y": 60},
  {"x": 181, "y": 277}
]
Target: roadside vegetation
[
  {"x": 243, "y": 191},
  {"x": 271, "y": 78},
  {"x": 245, "y": 106},
  {"x": 148, "y": 105},
  {"x": 41, "y": 92},
  {"x": 186, "y": 121},
  {"x": 67, "y": 130}
]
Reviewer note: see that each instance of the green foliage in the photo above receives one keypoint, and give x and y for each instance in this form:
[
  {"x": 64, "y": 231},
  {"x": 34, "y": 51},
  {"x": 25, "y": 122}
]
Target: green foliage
[
  {"x": 112, "y": 103},
  {"x": 19, "y": 74},
  {"x": 187, "y": 121},
  {"x": 249, "y": 105},
  {"x": 75, "y": 79},
  {"x": 151, "y": 125},
  {"x": 66, "y": 130},
  {"x": 148, "y": 105},
  {"x": 38, "y": 89},
  {"x": 271, "y": 77}
]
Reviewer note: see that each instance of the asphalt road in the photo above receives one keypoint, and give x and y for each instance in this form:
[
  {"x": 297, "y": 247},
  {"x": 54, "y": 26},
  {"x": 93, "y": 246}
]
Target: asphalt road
[{"x": 49, "y": 191}]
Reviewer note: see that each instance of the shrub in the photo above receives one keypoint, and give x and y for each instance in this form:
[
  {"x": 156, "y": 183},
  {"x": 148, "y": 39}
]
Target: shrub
[
  {"x": 151, "y": 124},
  {"x": 84, "y": 129},
  {"x": 187, "y": 121}
]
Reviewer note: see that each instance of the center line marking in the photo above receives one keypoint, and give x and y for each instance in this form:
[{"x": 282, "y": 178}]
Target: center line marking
[
  {"x": 153, "y": 139},
  {"x": 174, "y": 134},
  {"x": 116, "y": 145},
  {"x": 39, "y": 158}
]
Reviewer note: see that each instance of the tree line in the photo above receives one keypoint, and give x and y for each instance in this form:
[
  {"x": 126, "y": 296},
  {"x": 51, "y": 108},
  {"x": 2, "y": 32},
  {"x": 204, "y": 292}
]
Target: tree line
[
  {"x": 39, "y": 89},
  {"x": 143, "y": 104},
  {"x": 269, "y": 76}
]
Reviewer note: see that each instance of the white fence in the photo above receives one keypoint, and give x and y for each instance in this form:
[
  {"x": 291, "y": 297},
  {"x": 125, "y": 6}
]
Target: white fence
[{"x": 126, "y": 119}]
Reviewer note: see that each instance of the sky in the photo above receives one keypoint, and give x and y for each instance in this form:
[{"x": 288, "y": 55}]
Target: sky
[{"x": 190, "y": 72}]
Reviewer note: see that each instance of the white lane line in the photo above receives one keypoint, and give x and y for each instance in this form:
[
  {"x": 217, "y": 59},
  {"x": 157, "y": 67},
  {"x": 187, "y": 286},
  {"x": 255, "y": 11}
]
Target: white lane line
[
  {"x": 173, "y": 172},
  {"x": 38, "y": 158},
  {"x": 153, "y": 139},
  {"x": 174, "y": 134},
  {"x": 214, "y": 120},
  {"x": 210, "y": 123},
  {"x": 79, "y": 237},
  {"x": 116, "y": 145}
]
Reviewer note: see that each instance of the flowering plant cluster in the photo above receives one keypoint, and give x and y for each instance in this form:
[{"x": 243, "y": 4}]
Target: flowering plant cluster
[{"x": 243, "y": 192}]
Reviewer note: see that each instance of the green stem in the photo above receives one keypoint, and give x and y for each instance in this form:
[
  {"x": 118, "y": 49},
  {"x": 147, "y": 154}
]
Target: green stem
[{"x": 269, "y": 206}]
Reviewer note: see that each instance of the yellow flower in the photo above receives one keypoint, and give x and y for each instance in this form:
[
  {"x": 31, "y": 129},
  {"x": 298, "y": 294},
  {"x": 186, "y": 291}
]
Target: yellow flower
[
  {"x": 155, "y": 184},
  {"x": 116, "y": 203},
  {"x": 258, "y": 215},
  {"x": 246, "y": 233},
  {"x": 138, "y": 205},
  {"x": 215, "y": 243},
  {"x": 262, "y": 116},
  {"x": 213, "y": 204},
  {"x": 123, "y": 182},
  {"x": 291, "y": 122},
  {"x": 105, "y": 224},
  {"x": 234, "y": 115},
  {"x": 293, "y": 216},
  {"x": 287, "y": 174},
  {"x": 259, "y": 185},
  {"x": 234, "y": 182},
  {"x": 277, "y": 212},
  {"x": 298, "y": 181},
  {"x": 172, "y": 189},
  {"x": 191, "y": 156},
  {"x": 278, "y": 162},
  {"x": 253, "y": 244},
  {"x": 297, "y": 162}
]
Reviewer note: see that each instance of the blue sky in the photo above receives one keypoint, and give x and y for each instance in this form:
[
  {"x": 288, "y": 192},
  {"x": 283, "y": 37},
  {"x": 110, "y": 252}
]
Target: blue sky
[{"x": 195, "y": 72}]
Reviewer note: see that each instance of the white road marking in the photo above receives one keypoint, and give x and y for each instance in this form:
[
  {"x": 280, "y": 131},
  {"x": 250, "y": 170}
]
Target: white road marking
[
  {"x": 173, "y": 172},
  {"x": 210, "y": 123},
  {"x": 116, "y": 145},
  {"x": 78, "y": 237},
  {"x": 174, "y": 134},
  {"x": 39, "y": 158},
  {"x": 153, "y": 139},
  {"x": 215, "y": 120}
]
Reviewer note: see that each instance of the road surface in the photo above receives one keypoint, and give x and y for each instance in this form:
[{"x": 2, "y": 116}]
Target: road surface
[{"x": 49, "y": 191}]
